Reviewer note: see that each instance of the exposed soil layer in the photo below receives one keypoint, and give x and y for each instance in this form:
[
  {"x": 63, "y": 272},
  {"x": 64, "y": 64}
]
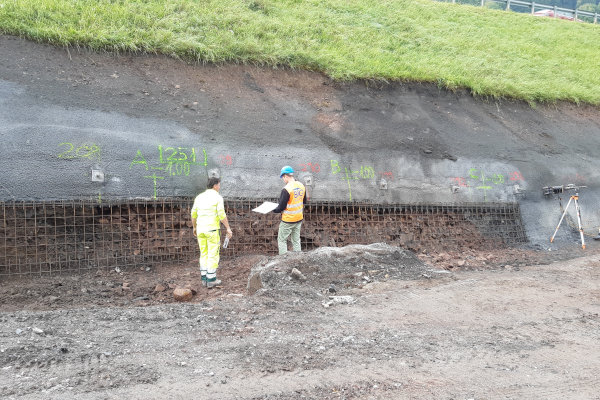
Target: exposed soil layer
[
  {"x": 149, "y": 286},
  {"x": 54, "y": 237}
]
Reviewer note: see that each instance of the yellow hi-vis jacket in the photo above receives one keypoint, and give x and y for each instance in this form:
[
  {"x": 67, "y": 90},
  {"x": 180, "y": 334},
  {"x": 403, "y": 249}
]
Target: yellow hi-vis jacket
[
  {"x": 295, "y": 205},
  {"x": 208, "y": 211}
]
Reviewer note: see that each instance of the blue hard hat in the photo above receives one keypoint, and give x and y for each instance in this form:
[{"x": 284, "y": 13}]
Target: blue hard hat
[{"x": 286, "y": 170}]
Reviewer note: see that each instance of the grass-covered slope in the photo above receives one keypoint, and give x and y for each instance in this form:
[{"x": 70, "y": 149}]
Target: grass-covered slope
[{"x": 492, "y": 53}]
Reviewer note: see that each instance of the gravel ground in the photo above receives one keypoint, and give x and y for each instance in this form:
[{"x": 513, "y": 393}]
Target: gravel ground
[{"x": 521, "y": 332}]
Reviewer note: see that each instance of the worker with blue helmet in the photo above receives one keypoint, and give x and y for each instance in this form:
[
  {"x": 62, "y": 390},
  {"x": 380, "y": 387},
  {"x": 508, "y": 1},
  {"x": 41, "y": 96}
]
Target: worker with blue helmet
[
  {"x": 286, "y": 170},
  {"x": 292, "y": 199}
]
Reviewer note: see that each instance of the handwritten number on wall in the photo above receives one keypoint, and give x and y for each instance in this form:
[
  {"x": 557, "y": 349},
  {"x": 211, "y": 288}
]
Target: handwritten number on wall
[
  {"x": 226, "y": 159},
  {"x": 69, "y": 151},
  {"x": 310, "y": 167}
]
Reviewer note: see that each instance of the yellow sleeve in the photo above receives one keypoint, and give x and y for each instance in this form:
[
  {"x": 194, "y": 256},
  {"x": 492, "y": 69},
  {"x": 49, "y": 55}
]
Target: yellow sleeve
[
  {"x": 194, "y": 210},
  {"x": 221, "y": 210}
]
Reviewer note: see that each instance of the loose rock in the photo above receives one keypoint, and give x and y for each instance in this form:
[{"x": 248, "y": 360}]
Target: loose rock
[
  {"x": 182, "y": 294},
  {"x": 296, "y": 274}
]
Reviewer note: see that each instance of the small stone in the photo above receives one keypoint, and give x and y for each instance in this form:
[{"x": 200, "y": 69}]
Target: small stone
[
  {"x": 450, "y": 157},
  {"x": 159, "y": 288},
  {"x": 296, "y": 274},
  {"x": 182, "y": 294},
  {"x": 37, "y": 331},
  {"x": 342, "y": 299}
]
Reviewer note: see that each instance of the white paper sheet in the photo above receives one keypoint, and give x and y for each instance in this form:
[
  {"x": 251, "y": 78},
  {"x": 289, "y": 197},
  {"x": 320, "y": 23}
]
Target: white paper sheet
[{"x": 265, "y": 207}]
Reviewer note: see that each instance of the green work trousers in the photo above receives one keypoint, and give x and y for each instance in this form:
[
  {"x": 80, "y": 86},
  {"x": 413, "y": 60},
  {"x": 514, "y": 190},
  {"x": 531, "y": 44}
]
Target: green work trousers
[{"x": 286, "y": 230}]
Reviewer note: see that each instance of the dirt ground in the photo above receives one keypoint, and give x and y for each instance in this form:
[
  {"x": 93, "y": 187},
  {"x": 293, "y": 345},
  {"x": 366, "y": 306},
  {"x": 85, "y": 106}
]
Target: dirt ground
[
  {"x": 373, "y": 322},
  {"x": 125, "y": 287}
]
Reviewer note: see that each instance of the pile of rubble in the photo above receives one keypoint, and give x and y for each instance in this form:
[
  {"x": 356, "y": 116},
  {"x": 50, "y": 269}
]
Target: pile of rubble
[{"x": 334, "y": 270}]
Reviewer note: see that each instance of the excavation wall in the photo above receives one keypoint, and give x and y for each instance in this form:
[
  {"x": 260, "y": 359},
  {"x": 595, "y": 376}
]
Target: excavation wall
[
  {"x": 60, "y": 236},
  {"x": 103, "y": 128}
]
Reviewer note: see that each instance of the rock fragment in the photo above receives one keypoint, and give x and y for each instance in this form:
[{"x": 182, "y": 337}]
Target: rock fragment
[
  {"x": 181, "y": 294},
  {"x": 296, "y": 274}
]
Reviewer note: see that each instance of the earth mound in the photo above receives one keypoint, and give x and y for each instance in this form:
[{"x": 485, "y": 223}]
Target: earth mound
[{"x": 335, "y": 270}]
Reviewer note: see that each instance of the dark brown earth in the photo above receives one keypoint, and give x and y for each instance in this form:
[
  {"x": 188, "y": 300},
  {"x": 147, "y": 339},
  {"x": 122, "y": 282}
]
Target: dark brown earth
[
  {"x": 138, "y": 287},
  {"x": 201, "y": 96},
  {"x": 50, "y": 238}
]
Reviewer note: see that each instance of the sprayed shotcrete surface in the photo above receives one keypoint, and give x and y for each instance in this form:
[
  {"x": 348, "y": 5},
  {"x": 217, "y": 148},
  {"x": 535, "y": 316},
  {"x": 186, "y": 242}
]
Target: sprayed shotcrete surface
[
  {"x": 79, "y": 125},
  {"x": 468, "y": 321}
]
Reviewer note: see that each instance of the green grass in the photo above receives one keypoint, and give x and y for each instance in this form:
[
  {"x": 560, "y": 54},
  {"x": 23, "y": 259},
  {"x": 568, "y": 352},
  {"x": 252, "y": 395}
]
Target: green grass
[{"x": 492, "y": 53}]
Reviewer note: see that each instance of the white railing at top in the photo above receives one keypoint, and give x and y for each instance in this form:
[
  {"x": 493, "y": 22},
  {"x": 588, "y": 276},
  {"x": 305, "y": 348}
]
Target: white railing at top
[{"x": 533, "y": 6}]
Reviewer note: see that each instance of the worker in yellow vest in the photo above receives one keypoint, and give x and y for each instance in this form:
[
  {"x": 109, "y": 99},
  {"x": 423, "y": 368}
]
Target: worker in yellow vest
[
  {"x": 208, "y": 212},
  {"x": 291, "y": 205}
]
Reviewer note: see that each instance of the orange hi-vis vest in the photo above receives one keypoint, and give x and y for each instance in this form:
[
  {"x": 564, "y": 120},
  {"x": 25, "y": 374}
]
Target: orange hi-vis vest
[{"x": 295, "y": 205}]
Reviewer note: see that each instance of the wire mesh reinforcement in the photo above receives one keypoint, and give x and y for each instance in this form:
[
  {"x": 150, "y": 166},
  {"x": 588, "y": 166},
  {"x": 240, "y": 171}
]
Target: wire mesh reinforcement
[{"x": 60, "y": 236}]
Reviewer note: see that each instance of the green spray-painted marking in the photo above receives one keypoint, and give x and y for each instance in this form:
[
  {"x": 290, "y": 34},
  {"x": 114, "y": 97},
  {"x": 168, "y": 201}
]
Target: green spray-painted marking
[
  {"x": 349, "y": 186},
  {"x": 139, "y": 159},
  {"x": 90, "y": 151},
  {"x": 176, "y": 155},
  {"x": 154, "y": 178}
]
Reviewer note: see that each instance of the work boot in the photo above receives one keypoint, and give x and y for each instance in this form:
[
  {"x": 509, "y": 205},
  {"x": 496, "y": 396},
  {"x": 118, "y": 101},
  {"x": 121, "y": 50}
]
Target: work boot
[{"x": 212, "y": 284}]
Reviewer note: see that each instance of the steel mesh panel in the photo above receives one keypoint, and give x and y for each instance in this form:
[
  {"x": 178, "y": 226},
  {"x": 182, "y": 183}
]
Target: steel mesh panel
[{"x": 59, "y": 236}]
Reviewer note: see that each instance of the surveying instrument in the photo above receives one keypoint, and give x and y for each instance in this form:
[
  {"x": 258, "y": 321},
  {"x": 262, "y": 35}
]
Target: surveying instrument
[{"x": 549, "y": 190}]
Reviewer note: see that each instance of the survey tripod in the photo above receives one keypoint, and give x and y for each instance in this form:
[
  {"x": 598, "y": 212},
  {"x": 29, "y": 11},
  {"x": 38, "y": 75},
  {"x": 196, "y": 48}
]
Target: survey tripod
[{"x": 574, "y": 198}]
